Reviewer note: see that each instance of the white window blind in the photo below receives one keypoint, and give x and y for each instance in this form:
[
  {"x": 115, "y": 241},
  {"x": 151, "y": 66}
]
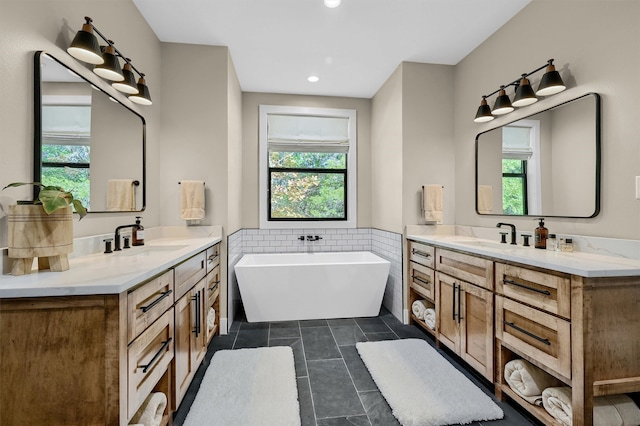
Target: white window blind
[
  {"x": 298, "y": 133},
  {"x": 516, "y": 143}
]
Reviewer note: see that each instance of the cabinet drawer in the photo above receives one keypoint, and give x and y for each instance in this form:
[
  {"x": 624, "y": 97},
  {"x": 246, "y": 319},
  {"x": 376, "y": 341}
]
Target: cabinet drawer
[
  {"x": 188, "y": 273},
  {"x": 148, "y": 358},
  {"x": 213, "y": 257},
  {"x": 148, "y": 302},
  {"x": 421, "y": 253},
  {"x": 213, "y": 286},
  {"x": 546, "y": 291},
  {"x": 536, "y": 334},
  {"x": 466, "y": 267},
  {"x": 421, "y": 280}
]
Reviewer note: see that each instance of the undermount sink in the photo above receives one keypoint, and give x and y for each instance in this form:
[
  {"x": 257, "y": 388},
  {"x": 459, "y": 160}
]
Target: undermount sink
[
  {"x": 490, "y": 244},
  {"x": 149, "y": 250}
]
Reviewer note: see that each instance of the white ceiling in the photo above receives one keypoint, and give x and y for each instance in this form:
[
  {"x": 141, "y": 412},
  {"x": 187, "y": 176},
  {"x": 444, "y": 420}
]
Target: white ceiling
[{"x": 276, "y": 44}]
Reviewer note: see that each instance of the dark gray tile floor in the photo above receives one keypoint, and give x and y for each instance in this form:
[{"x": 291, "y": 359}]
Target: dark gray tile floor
[{"x": 334, "y": 386}]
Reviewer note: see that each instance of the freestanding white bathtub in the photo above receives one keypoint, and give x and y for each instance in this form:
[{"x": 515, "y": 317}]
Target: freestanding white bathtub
[{"x": 301, "y": 286}]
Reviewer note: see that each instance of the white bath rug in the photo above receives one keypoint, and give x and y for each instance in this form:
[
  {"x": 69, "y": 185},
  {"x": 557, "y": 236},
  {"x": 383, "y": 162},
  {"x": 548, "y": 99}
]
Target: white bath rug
[
  {"x": 248, "y": 387},
  {"x": 422, "y": 388}
]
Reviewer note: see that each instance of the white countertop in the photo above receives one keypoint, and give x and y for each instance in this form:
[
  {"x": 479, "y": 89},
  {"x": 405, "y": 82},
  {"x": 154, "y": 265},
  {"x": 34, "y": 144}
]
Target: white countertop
[
  {"x": 576, "y": 263},
  {"x": 111, "y": 273}
]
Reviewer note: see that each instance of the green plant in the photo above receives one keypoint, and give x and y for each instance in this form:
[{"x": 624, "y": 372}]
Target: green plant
[{"x": 53, "y": 198}]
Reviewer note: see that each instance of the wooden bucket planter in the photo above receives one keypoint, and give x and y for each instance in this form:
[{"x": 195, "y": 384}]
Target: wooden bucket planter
[{"x": 34, "y": 233}]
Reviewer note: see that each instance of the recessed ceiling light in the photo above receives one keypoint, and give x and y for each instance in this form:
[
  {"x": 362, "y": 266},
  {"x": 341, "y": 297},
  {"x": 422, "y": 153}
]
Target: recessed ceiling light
[
  {"x": 332, "y": 3},
  {"x": 313, "y": 78}
]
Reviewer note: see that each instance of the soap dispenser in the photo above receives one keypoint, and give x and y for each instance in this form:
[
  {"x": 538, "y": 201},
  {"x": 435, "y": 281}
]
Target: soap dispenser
[
  {"x": 137, "y": 235},
  {"x": 541, "y": 235}
]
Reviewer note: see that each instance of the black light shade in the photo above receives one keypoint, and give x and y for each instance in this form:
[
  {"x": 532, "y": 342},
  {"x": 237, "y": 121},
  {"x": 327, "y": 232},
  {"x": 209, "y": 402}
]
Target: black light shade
[
  {"x": 110, "y": 69},
  {"x": 85, "y": 45},
  {"x": 128, "y": 85},
  {"x": 551, "y": 82},
  {"x": 524, "y": 93},
  {"x": 484, "y": 112},
  {"x": 503, "y": 103},
  {"x": 143, "y": 97}
]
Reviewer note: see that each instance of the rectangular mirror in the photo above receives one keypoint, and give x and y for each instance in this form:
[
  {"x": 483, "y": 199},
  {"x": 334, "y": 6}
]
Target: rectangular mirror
[
  {"x": 86, "y": 141},
  {"x": 547, "y": 164}
]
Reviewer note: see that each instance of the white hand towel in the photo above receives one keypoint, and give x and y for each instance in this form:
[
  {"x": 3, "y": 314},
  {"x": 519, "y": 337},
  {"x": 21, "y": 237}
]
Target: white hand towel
[
  {"x": 192, "y": 199},
  {"x": 485, "y": 199},
  {"x": 151, "y": 410},
  {"x": 120, "y": 195},
  {"x": 608, "y": 410},
  {"x": 527, "y": 380},
  {"x": 432, "y": 203},
  {"x": 418, "y": 307},
  {"x": 430, "y": 318},
  {"x": 211, "y": 318}
]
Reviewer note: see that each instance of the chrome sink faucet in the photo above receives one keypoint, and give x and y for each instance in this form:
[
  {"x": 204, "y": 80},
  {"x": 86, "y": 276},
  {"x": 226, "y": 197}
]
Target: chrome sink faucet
[{"x": 513, "y": 231}]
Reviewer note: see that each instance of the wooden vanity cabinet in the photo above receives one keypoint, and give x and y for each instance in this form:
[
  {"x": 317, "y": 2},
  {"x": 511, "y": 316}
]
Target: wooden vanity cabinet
[
  {"x": 191, "y": 341},
  {"x": 465, "y": 314},
  {"x": 421, "y": 279},
  {"x": 583, "y": 331},
  {"x": 92, "y": 360}
]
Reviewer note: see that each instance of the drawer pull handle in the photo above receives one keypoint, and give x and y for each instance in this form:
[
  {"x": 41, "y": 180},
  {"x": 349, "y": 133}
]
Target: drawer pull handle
[
  {"x": 420, "y": 253},
  {"x": 453, "y": 307},
  {"x": 460, "y": 317},
  {"x": 146, "y": 368},
  {"x": 537, "y": 290},
  {"x": 528, "y": 333},
  {"x": 420, "y": 280},
  {"x": 215, "y": 284},
  {"x": 213, "y": 257},
  {"x": 155, "y": 302},
  {"x": 196, "y": 298}
]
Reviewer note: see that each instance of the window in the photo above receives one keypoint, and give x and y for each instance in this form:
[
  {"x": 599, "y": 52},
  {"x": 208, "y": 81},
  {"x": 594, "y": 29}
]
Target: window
[
  {"x": 514, "y": 186},
  {"x": 66, "y": 134},
  {"x": 521, "y": 168},
  {"x": 307, "y": 167}
]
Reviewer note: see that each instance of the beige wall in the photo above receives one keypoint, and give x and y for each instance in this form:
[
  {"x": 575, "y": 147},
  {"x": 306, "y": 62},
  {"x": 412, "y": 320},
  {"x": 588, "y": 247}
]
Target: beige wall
[
  {"x": 595, "y": 44},
  {"x": 250, "y": 104},
  {"x": 386, "y": 155},
  {"x": 427, "y": 138},
  {"x": 194, "y": 128},
  {"x": 30, "y": 25}
]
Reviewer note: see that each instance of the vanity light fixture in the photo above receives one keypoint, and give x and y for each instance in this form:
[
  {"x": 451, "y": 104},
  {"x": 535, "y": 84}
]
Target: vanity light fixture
[
  {"x": 128, "y": 84},
  {"x": 142, "y": 97},
  {"x": 110, "y": 68},
  {"x": 550, "y": 84},
  {"x": 503, "y": 103},
  {"x": 331, "y": 4},
  {"x": 313, "y": 79},
  {"x": 85, "y": 47}
]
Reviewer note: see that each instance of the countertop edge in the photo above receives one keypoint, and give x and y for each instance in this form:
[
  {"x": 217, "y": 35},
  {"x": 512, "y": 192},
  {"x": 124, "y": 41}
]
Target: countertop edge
[
  {"x": 586, "y": 264},
  {"x": 47, "y": 283}
]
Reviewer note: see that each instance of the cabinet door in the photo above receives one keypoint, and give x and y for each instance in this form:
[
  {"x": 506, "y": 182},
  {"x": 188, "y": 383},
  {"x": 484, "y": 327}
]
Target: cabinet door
[
  {"x": 447, "y": 309},
  {"x": 476, "y": 340},
  {"x": 190, "y": 345}
]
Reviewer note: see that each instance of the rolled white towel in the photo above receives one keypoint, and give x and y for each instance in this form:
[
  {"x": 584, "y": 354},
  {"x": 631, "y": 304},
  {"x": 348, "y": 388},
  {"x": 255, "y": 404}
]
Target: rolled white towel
[
  {"x": 557, "y": 402},
  {"x": 151, "y": 410},
  {"x": 430, "y": 318},
  {"x": 211, "y": 318},
  {"x": 418, "y": 307},
  {"x": 608, "y": 410},
  {"x": 527, "y": 380}
]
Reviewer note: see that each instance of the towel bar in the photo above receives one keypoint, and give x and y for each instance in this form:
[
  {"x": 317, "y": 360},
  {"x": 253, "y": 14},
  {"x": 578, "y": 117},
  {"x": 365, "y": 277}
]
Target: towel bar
[{"x": 180, "y": 183}]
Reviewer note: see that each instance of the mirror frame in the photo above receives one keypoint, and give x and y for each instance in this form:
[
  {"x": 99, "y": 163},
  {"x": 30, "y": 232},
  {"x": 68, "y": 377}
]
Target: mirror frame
[
  {"x": 598, "y": 143},
  {"x": 37, "y": 129}
]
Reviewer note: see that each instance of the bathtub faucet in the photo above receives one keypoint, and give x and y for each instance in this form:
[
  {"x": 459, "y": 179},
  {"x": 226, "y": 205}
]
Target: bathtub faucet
[{"x": 313, "y": 238}]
